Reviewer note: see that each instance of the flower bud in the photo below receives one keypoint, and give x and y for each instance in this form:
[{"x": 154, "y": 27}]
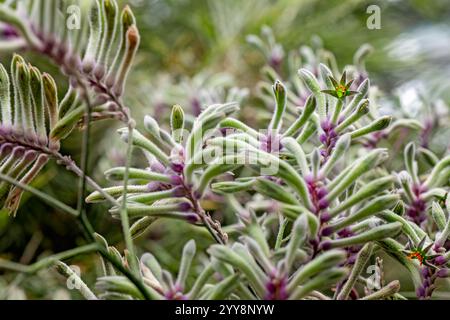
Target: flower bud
[
  {"x": 177, "y": 122},
  {"x": 51, "y": 97}
]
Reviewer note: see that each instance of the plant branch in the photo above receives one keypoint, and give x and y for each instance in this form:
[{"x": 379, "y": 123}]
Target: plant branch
[
  {"x": 84, "y": 166},
  {"x": 65, "y": 161},
  {"x": 43, "y": 263},
  {"x": 213, "y": 227},
  {"x": 123, "y": 208},
  {"x": 46, "y": 198}
]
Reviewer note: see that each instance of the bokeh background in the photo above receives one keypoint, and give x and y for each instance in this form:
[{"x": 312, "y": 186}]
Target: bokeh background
[{"x": 188, "y": 45}]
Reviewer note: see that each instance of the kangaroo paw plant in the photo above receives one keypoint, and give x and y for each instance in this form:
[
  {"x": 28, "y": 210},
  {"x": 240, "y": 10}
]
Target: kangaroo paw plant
[{"x": 316, "y": 195}]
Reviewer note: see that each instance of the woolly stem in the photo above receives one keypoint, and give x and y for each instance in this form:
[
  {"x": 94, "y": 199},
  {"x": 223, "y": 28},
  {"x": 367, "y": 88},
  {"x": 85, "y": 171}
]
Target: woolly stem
[
  {"x": 84, "y": 166},
  {"x": 123, "y": 208},
  {"x": 50, "y": 200},
  {"x": 43, "y": 263}
]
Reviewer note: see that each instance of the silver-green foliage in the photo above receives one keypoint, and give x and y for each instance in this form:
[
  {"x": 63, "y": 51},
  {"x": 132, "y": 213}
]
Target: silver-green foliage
[{"x": 307, "y": 201}]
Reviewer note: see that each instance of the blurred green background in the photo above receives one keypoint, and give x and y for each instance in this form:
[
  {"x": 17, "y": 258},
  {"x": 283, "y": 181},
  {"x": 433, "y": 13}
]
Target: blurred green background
[{"x": 184, "y": 38}]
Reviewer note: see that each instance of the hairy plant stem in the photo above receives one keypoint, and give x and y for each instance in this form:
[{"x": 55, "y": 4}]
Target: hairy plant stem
[
  {"x": 46, "y": 198},
  {"x": 123, "y": 208},
  {"x": 48, "y": 261},
  {"x": 213, "y": 227},
  {"x": 73, "y": 167},
  {"x": 137, "y": 281},
  {"x": 84, "y": 166},
  {"x": 67, "y": 162},
  {"x": 84, "y": 79},
  {"x": 113, "y": 98}
]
